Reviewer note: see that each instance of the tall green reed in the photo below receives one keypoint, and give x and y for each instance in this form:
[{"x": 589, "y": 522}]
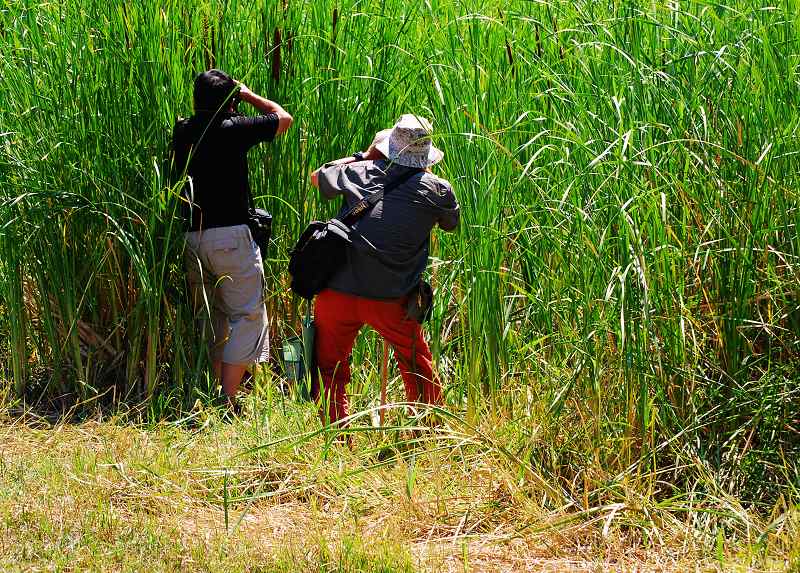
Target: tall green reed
[{"x": 627, "y": 174}]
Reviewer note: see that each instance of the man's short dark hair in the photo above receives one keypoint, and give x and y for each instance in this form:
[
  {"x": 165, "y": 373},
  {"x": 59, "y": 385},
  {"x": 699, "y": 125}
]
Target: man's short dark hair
[{"x": 213, "y": 90}]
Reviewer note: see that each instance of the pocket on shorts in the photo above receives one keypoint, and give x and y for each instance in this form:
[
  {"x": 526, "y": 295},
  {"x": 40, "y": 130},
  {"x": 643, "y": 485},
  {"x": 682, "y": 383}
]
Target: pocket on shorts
[
  {"x": 224, "y": 256},
  {"x": 225, "y": 244},
  {"x": 234, "y": 257}
]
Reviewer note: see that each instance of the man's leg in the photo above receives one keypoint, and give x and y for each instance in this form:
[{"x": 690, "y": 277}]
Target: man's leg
[
  {"x": 206, "y": 304},
  {"x": 337, "y": 325},
  {"x": 218, "y": 336},
  {"x": 239, "y": 297},
  {"x": 232, "y": 375},
  {"x": 412, "y": 352}
]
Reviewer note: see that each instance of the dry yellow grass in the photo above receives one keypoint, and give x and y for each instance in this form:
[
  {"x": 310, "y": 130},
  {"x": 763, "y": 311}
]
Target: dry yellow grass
[{"x": 109, "y": 496}]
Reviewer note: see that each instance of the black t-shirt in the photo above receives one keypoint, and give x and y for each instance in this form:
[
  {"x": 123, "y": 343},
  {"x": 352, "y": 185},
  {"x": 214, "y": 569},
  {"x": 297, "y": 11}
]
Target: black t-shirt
[{"x": 218, "y": 187}]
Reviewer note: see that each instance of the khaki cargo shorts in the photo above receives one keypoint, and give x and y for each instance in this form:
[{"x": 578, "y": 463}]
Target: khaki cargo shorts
[{"x": 226, "y": 285}]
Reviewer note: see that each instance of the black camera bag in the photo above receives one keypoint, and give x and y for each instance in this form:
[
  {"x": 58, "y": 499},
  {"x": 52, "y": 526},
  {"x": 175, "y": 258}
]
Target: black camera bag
[
  {"x": 260, "y": 223},
  {"x": 319, "y": 252}
]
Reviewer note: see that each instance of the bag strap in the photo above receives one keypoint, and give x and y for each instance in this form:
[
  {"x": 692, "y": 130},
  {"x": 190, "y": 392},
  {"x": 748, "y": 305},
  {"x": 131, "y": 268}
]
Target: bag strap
[
  {"x": 250, "y": 203},
  {"x": 365, "y": 205}
]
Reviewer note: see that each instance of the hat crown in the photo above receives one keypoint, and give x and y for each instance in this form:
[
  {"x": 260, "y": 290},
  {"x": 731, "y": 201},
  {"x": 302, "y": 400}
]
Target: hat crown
[{"x": 410, "y": 144}]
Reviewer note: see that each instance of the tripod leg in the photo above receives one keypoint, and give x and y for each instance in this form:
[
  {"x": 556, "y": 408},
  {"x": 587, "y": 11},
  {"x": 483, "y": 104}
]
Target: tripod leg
[{"x": 384, "y": 376}]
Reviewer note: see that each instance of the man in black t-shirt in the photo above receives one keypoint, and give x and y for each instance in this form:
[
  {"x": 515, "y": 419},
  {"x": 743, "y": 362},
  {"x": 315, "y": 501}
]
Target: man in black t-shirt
[{"x": 223, "y": 262}]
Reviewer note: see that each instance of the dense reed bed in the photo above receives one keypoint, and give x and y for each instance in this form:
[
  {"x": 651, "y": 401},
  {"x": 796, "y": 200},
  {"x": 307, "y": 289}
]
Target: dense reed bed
[{"x": 623, "y": 293}]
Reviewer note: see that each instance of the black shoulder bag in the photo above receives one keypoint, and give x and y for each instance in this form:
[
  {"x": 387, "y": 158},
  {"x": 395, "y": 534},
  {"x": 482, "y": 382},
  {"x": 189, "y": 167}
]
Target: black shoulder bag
[
  {"x": 260, "y": 223},
  {"x": 322, "y": 248}
]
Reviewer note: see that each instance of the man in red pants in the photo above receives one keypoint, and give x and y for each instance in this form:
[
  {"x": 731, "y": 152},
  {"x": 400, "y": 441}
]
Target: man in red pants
[{"x": 387, "y": 259}]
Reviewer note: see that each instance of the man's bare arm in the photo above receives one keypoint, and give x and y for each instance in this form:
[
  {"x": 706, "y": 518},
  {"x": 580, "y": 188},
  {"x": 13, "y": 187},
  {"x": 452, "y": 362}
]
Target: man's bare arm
[{"x": 265, "y": 105}]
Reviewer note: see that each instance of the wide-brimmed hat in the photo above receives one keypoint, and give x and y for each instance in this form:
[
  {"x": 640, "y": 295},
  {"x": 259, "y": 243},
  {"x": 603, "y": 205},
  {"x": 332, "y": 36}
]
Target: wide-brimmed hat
[{"x": 409, "y": 143}]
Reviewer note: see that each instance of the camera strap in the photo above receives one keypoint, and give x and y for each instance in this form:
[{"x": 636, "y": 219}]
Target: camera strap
[{"x": 365, "y": 205}]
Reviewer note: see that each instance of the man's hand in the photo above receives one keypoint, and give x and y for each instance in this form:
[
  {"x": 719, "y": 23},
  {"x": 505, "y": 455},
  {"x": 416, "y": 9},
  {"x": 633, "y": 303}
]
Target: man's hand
[{"x": 244, "y": 92}]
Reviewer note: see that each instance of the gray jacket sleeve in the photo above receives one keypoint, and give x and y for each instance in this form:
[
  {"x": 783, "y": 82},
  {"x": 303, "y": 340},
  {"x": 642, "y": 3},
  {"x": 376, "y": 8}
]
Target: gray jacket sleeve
[
  {"x": 450, "y": 210},
  {"x": 328, "y": 180}
]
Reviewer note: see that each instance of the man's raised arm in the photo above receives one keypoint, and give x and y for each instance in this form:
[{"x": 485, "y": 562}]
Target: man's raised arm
[{"x": 265, "y": 105}]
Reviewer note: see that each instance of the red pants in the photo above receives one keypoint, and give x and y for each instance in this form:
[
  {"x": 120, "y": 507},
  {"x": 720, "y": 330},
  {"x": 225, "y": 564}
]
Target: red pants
[{"x": 338, "y": 318}]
